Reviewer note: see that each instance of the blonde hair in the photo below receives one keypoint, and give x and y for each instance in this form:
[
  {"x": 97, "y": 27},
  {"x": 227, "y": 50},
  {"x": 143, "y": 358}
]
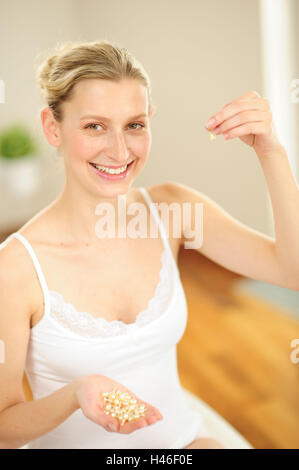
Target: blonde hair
[{"x": 74, "y": 61}]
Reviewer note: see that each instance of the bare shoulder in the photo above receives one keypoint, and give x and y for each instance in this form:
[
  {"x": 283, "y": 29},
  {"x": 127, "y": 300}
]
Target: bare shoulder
[
  {"x": 14, "y": 262},
  {"x": 182, "y": 194},
  {"x": 168, "y": 191},
  {"x": 173, "y": 191},
  {"x": 17, "y": 273}
]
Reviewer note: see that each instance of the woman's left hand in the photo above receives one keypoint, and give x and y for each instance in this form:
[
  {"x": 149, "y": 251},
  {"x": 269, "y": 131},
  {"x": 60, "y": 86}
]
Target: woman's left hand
[{"x": 249, "y": 118}]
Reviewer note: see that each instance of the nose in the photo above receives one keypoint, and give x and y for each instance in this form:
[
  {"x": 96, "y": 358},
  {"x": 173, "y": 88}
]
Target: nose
[{"x": 118, "y": 148}]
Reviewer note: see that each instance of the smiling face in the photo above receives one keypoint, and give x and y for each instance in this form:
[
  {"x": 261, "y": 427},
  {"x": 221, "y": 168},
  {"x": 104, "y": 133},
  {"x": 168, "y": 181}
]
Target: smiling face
[{"x": 117, "y": 133}]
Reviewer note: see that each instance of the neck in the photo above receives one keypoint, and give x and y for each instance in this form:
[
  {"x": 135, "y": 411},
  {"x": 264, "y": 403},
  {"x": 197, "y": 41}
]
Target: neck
[{"x": 79, "y": 212}]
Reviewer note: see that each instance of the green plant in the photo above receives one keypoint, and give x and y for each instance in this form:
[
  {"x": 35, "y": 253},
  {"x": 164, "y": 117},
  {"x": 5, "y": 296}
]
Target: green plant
[{"x": 16, "y": 142}]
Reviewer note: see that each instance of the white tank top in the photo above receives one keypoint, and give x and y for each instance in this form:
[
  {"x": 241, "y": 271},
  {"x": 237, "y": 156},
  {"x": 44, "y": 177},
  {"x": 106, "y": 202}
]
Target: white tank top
[{"x": 66, "y": 344}]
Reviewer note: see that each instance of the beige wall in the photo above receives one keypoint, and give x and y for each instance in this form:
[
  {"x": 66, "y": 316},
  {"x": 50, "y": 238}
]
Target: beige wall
[{"x": 199, "y": 54}]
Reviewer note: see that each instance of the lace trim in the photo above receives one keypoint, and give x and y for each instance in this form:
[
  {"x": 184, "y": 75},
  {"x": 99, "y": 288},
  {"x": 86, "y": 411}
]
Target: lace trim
[{"x": 86, "y": 324}]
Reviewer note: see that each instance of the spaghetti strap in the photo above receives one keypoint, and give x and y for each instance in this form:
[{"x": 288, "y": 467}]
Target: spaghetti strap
[
  {"x": 154, "y": 211},
  {"x": 37, "y": 266}
]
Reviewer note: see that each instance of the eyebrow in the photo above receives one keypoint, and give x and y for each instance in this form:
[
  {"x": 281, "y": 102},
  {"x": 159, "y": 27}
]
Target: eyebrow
[{"x": 103, "y": 118}]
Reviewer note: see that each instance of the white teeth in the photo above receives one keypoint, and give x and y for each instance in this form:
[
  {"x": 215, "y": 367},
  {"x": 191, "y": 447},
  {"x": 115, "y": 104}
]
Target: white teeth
[{"x": 110, "y": 170}]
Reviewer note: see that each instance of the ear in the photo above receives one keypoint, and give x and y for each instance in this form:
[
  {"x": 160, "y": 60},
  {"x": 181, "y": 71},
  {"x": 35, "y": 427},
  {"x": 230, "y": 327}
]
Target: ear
[{"x": 50, "y": 127}]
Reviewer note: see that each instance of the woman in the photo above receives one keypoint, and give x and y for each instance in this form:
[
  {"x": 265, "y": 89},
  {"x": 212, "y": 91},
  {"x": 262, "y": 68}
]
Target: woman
[{"x": 94, "y": 313}]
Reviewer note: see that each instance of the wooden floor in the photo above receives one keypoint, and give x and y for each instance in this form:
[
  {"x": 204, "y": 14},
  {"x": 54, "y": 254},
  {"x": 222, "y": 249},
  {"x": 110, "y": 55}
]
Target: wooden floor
[{"x": 236, "y": 355}]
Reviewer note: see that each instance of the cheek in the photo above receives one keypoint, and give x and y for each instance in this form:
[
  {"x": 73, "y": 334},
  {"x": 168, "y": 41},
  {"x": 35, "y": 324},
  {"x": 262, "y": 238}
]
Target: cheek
[
  {"x": 141, "y": 146},
  {"x": 82, "y": 147}
]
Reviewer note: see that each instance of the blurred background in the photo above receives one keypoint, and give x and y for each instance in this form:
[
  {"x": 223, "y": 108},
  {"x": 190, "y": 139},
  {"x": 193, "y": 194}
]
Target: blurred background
[{"x": 235, "y": 354}]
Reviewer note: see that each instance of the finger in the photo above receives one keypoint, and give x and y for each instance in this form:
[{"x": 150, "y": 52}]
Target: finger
[
  {"x": 110, "y": 423},
  {"x": 132, "y": 426},
  {"x": 240, "y": 119},
  {"x": 236, "y": 107},
  {"x": 151, "y": 415},
  {"x": 250, "y": 94},
  {"x": 158, "y": 413},
  {"x": 97, "y": 415},
  {"x": 126, "y": 428},
  {"x": 246, "y": 129},
  {"x": 253, "y": 94}
]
